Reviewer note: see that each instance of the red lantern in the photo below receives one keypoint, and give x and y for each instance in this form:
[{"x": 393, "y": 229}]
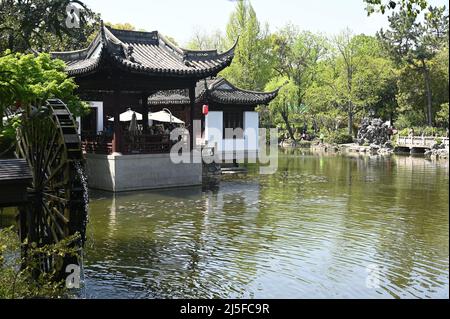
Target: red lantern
[{"x": 205, "y": 109}]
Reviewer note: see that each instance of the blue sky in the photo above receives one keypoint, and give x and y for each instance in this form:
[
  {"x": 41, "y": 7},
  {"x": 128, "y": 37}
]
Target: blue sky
[{"x": 180, "y": 18}]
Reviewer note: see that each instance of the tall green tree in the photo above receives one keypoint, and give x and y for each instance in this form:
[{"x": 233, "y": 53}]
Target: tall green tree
[
  {"x": 251, "y": 68},
  {"x": 413, "y": 44},
  {"x": 356, "y": 79},
  {"x": 295, "y": 56}
]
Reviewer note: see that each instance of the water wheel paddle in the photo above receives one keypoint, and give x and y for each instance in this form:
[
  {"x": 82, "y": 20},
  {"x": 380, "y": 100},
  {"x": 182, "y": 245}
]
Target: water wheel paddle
[{"x": 49, "y": 141}]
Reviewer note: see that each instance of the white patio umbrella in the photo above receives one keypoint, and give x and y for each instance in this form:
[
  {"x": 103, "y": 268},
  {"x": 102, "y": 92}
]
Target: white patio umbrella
[
  {"x": 164, "y": 116},
  {"x": 128, "y": 116}
]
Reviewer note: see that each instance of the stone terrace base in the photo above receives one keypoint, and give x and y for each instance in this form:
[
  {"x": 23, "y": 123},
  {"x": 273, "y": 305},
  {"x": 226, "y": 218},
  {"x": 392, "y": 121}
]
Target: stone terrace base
[{"x": 120, "y": 173}]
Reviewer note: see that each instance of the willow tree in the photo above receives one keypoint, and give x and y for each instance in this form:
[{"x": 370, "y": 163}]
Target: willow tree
[
  {"x": 284, "y": 106},
  {"x": 296, "y": 55}
]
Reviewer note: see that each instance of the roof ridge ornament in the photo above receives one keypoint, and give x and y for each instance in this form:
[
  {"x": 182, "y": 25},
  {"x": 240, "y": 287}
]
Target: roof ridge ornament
[{"x": 129, "y": 53}]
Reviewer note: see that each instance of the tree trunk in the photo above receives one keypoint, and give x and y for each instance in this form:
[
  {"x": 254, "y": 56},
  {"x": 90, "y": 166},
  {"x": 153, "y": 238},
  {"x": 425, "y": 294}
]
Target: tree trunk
[
  {"x": 288, "y": 126},
  {"x": 350, "y": 119},
  {"x": 426, "y": 74},
  {"x": 11, "y": 42}
]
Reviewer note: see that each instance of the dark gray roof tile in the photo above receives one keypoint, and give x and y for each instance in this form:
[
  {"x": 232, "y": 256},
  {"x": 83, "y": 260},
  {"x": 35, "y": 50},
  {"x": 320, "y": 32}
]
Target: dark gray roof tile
[
  {"x": 218, "y": 90},
  {"x": 146, "y": 52}
]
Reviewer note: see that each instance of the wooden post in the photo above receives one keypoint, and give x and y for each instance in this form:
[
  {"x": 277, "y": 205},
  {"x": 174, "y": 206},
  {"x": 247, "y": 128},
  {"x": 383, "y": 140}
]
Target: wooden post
[
  {"x": 192, "y": 114},
  {"x": 117, "y": 137},
  {"x": 145, "y": 111}
]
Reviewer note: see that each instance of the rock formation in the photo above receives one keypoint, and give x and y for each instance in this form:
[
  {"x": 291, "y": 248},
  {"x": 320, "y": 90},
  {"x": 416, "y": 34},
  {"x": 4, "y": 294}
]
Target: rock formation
[{"x": 373, "y": 132}]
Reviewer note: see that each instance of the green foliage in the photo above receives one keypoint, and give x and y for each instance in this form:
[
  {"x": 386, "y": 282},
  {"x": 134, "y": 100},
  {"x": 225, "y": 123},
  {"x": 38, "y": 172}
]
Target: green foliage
[
  {"x": 121, "y": 26},
  {"x": 423, "y": 131},
  {"x": 339, "y": 137},
  {"x": 442, "y": 117},
  {"x": 335, "y": 82},
  {"x": 18, "y": 277},
  {"x": 251, "y": 68},
  {"x": 411, "y": 7},
  {"x": 28, "y": 80},
  {"x": 415, "y": 46},
  {"x": 40, "y": 25}
]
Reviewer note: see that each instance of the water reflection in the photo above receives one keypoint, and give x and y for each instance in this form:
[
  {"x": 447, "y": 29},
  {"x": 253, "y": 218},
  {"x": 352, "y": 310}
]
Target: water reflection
[{"x": 310, "y": 230}]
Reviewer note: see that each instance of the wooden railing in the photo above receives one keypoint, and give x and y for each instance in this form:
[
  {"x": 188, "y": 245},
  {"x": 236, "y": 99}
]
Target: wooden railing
[
  {"x": 97, "y": 144},
  {"x": 131, "y": 144},
  {"x": 420, "y": 141},
  {"x": 146, "y": 144}
]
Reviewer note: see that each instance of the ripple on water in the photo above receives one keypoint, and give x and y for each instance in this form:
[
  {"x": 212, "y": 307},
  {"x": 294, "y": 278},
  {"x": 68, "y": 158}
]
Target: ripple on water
[{"x": 313, "y": 230}]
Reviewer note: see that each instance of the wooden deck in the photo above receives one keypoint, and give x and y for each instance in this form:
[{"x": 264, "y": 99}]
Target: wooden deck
[{"x": 15, "y": 177}]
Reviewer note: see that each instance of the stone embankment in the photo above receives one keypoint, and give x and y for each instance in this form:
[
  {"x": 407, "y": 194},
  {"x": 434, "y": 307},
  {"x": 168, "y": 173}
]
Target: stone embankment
[{"x": 438, "y": 151}]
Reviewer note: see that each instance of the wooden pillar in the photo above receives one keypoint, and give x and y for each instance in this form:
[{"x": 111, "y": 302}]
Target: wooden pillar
[
  {"x": 192, "y": 114},
  {"x": 145, "y": 111},
  {"x": 117, "y": 137}
]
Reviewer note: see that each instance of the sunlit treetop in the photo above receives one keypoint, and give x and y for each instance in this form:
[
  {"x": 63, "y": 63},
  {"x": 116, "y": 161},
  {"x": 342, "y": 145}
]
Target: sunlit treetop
[{"x": 412, "y": 7}]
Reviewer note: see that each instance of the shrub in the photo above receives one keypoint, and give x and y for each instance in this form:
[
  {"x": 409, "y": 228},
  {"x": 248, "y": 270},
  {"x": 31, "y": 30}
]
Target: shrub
[
  {"x": 404, "y": 132},
  {"x": 18, "y": 274},
  {"x": 339, "y": 138},
  {"x": 443, "y": 115},
  {"x": 424, "y": 130}
]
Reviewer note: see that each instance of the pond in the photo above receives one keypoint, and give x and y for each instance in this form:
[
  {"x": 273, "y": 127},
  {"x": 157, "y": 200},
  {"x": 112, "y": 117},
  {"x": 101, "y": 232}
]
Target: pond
[{"x": 323, "y": 226}]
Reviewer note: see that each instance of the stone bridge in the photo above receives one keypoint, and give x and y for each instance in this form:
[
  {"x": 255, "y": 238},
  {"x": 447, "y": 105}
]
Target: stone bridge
[{"x": 420, "y": 143}]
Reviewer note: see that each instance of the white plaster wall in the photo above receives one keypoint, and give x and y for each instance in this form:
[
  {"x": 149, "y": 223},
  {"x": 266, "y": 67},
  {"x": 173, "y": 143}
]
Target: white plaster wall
[
  {"x": 214, "y": 128},
  {"x": 229, "y": 147},
  {"x": 120, "y": 173},
  {"x": 251, "y": 127},
  {"x": 99, "y": 106}
]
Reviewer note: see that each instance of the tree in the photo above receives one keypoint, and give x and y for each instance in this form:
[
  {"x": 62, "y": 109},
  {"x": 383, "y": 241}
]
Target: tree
[
  {"x": 411, "y": 7},
  {"x": 121, "y": 26},
  {"x": 28, "y": 80},
  {"x": 355, "y": 79},
  {"x": 413, "y": 44},
  {"x": 251, "y": 68},
  {"x": 294, "y": 57},
  {"x": 284, "y": 104},
  {"x": 40, "y": 25},
  {"x": 201, "y": 40}
]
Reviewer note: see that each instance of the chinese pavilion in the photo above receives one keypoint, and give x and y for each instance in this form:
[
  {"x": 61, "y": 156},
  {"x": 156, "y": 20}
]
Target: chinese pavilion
[{"x": 119, "y": 70}]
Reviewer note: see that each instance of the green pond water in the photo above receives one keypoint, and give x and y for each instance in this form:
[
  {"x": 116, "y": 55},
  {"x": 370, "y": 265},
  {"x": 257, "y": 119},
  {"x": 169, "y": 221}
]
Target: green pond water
[{"x": 323, "y": 226}]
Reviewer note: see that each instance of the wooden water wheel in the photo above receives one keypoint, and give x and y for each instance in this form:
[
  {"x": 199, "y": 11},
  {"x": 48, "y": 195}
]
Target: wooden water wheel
[{"x": 48, "y": 140}]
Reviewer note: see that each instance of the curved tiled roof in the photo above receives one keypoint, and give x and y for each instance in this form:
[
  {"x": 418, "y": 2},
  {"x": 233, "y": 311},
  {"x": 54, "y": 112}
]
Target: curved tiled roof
[
  {"x": 218, "y": 90},
  {"x": 145, "y": 52}
]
